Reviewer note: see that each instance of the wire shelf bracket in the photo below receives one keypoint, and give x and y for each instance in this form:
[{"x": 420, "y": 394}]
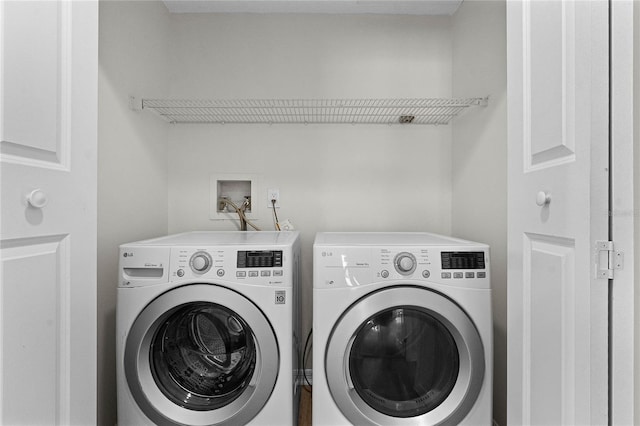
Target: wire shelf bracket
[{"x": 434, "y": 111}]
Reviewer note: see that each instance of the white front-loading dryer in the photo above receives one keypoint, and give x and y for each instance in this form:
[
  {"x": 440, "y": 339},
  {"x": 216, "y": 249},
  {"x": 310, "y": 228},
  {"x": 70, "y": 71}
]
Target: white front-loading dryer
[
  {"x": 207, "y": 329},
  {"x": 402, "y": 330}
]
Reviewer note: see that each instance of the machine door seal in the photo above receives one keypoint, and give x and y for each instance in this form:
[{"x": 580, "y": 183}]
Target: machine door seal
[
  {"x": 403, "y": 355},
  {"x": 201, "y": 354}
]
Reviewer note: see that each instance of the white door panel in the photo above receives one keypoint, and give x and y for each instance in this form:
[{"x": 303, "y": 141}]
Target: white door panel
[
  {"x": 35, "y": 85},
  {"x": 558, "y": 208},
  {"x": 35, "y": 351},
  {"x": 547, "y": 81},
  {"x": 548, "y": 329},
  {"x": 48, "y": 130}
]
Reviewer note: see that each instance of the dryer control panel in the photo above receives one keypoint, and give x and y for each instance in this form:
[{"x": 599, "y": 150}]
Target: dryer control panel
[{"x": 355, "y": 266}]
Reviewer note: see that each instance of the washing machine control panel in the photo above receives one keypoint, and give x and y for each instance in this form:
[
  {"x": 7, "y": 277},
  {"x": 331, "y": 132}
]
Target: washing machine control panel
[{"x": 264, "y": 267}]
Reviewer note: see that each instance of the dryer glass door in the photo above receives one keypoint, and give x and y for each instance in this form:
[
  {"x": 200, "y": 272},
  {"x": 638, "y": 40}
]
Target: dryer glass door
[
  {"x": 203, "y": 356},
  {"x": 404, "y": 355},
  {"x": 403, "y": 362}
]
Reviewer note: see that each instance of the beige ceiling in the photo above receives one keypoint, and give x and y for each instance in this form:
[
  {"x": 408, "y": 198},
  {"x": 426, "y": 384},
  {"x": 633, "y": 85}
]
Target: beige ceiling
[{"x": 402, "y": 7}]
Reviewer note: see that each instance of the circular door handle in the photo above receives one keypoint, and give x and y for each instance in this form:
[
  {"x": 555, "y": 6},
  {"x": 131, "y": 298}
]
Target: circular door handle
[
  {"x": 37, "y": 198},
  {"x": 542, "y": 199}
]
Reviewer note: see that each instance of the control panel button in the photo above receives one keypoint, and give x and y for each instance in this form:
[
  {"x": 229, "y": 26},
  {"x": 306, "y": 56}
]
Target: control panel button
[
  {"x": 253, "y": 273},
  {"x": 446, "y": 275},
  {"x": 458, "y": 275},
  {"x": 469, "y": 275},
  {"x": 405, "y": 263},
  {"x": 265, "y": 273},
  {"x": 384, "y": 274},
  {"x": 180, "y": 272},
  {"x": 482, "y": 275},
  {"x": 278, "y": 273},
  {"x": 241, "y": 274},
  {"x": 426, "y": 273},
  {"x": 200, "y": 262},
  {"x": 220, "y": 272}
]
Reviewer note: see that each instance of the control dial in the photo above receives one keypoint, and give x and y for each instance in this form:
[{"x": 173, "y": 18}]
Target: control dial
[
  {"x": 405, "y": 263},
  {"x": 200, "y": 262}
]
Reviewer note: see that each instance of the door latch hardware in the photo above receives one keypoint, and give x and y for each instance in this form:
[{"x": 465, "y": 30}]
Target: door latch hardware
[{"x": 607, "y": 259}]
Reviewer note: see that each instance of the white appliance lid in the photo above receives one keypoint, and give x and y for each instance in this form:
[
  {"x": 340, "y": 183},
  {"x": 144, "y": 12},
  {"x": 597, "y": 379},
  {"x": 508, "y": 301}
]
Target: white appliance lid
[
  {"x": 389, "y": 239},
  {"x": 211, "y": 238}
]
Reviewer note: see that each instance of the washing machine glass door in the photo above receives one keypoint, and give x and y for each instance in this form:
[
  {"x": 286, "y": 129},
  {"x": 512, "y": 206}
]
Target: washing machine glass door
[
  {"x": 200, "y": 355},
  {"x": 203, "y": 356},
  {"x": 404, "y": 354}
]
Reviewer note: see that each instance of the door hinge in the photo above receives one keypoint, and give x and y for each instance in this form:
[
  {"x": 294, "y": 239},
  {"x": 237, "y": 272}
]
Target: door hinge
[{"x": 607, "y": 259}]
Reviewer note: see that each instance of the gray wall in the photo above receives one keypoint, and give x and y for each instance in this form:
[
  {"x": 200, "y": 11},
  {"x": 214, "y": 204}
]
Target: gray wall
[
  {"x": 636, "y": 168},
  {"x": 479, "y": 156},
  {"x": 132, "y": 159}
]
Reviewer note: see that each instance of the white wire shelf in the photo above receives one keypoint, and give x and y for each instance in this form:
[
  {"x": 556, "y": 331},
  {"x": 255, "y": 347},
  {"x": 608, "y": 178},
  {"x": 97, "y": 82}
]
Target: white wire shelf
[{"x": 311, "y": 111}]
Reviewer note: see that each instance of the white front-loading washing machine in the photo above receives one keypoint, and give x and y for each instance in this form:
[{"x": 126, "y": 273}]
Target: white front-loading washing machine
[
  {"x": 402, "y": 330},
  {"x": 207, "y": 329}
]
